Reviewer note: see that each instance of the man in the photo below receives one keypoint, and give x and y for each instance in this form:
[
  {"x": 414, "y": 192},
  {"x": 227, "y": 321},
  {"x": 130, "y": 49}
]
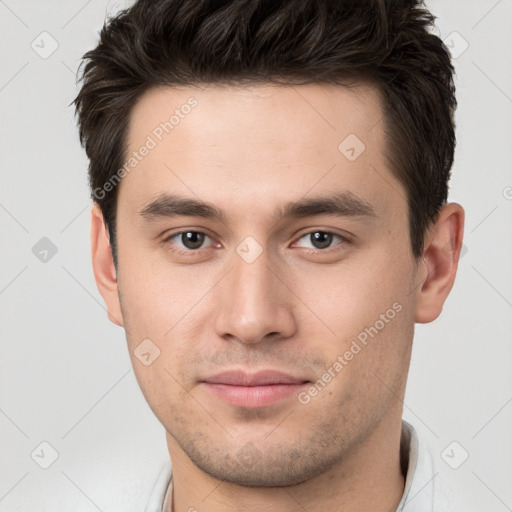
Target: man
[{"x": 270, "y": 220}]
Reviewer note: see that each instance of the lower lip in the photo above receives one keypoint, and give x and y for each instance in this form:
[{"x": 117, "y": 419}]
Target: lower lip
[{"x": 253, "y": 396}]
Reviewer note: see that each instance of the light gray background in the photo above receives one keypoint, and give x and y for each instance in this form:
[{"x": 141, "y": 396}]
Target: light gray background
[{"x": 65, "y": 374}]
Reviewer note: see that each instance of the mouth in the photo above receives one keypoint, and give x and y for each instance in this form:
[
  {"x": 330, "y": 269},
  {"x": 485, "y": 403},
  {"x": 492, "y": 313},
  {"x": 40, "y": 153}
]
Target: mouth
[{"x": 253, "y": 390}]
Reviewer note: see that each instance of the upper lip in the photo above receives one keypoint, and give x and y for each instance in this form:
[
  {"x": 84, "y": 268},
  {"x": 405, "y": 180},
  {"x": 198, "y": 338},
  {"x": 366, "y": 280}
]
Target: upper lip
[{"x": 260, "y": 378}]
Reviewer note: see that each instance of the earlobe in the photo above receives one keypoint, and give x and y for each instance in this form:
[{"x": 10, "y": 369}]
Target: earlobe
[
  {"x": 443, "y": 244},
  {"x": 103, "y": 266}
]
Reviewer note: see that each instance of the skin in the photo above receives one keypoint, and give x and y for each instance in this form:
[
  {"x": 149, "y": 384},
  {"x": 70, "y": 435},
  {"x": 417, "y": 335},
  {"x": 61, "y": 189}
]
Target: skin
[{"x": 295, "y": 308}]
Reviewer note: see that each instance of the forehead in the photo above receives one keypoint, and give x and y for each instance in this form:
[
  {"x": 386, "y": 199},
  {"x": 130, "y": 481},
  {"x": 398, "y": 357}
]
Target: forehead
[
  {"x": 256, "y": 113},
  {"x": 260, "y": 142}
]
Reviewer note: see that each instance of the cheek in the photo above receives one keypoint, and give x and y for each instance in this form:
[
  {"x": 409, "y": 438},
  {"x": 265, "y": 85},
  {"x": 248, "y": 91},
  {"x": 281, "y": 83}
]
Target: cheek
[
  {"x": 346, "y": 298},
  {"x": 362, "y": 324},
  {"x": 157, "y": 297},
  {"x": 161, "y": 306}
]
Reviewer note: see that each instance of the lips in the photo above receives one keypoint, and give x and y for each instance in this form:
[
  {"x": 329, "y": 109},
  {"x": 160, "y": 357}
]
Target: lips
[
  {"x": 261, "y": 378},
  {"x": 253, "y": 390}
]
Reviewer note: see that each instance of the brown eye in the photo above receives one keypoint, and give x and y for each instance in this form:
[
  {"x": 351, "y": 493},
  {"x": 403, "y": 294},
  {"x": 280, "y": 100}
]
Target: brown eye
[
  {"x": 321, "y": 240},
  {"x": 192, "y": 239},
  {"x": 186, "y": 241}
]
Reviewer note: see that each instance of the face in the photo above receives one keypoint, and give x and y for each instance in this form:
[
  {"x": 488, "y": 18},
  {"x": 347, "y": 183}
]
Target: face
[{"x": 278, "y": 315}]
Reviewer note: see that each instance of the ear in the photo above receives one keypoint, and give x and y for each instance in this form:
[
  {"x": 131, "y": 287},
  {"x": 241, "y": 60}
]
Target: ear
[
  {"x": 441, "y": 252},
  {"x": 103, "y": 266}
]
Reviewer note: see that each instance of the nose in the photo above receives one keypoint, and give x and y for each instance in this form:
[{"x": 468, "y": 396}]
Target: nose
[{"x": 254, "y": 304}]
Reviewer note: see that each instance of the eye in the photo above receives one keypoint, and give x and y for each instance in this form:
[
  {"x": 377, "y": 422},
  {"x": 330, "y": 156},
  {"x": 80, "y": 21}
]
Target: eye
[
  {"x": 321, "y": 240},
  {"x": 191, "y": 242},
  {"x": 187, "y": 241}
]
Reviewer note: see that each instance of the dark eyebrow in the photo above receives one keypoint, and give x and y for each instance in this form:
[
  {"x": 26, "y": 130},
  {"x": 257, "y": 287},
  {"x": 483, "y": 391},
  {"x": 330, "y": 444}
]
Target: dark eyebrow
[
  {"x": 172, "y": 205},
  {"x": 342, "y": 204}
]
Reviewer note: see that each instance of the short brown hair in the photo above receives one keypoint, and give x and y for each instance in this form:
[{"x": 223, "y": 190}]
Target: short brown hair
[{"x": 290, "y": 42}]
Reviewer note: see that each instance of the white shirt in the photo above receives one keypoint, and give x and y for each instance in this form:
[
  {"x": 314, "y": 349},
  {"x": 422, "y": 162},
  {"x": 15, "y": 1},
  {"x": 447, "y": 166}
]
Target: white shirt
[{"x": 423, "y": 491}]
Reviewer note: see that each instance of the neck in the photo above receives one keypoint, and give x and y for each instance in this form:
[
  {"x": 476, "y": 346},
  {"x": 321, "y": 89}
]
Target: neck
[{"x": 368, "y": 478}]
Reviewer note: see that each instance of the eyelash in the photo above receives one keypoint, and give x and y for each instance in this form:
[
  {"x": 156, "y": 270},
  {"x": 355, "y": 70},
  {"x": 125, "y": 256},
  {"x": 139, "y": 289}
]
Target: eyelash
[{"x": 190, "y": 252}]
